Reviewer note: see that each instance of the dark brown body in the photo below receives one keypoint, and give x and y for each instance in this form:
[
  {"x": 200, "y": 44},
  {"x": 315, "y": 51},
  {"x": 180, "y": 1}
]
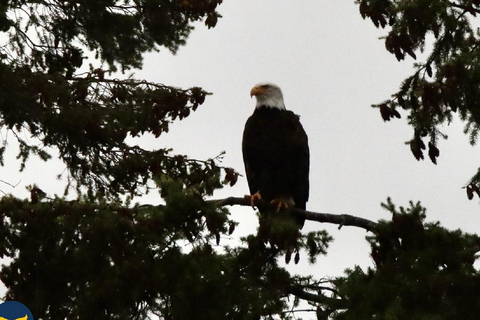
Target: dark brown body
[{"x": 276, "y": 156}]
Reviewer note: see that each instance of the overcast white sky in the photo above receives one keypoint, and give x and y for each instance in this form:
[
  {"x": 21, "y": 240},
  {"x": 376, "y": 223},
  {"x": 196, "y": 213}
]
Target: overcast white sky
[{"x": 331, "y": 66}]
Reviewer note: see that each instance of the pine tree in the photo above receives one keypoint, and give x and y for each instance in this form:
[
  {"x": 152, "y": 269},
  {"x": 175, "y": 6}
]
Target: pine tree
[
  {"x": 447, "y": 83},
  {"x": 102, "y": 257}
]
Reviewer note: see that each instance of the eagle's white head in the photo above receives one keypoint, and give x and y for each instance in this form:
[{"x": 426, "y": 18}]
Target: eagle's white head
[{"x": 268, "y": 95}]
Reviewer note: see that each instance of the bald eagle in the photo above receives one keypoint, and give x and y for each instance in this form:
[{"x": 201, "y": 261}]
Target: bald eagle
[{"x": 275, "y": 152}]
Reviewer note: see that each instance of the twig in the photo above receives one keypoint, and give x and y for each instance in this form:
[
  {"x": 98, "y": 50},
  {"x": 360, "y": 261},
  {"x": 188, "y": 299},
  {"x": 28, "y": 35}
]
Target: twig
[{"x": 11, "y": 185}]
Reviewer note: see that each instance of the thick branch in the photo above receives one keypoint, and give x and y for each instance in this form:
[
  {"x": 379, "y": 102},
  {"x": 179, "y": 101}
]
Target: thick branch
[
  {"x": 340, "y": 219},
  {"x": 319, "y": 298}
]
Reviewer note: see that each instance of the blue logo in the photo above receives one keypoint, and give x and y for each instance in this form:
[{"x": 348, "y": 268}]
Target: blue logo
[{"x": 13, "y": 310}]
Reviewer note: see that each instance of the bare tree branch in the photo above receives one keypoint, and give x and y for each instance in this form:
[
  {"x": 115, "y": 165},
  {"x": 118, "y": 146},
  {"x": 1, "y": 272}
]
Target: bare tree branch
[
  {"x": 9, "y": 184},
  {"x": 340, "y": 219},
  {"x": 319, "y": 298}
]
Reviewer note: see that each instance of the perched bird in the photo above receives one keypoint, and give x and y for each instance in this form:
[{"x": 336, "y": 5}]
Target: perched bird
[{"x": 275, "y": 152}]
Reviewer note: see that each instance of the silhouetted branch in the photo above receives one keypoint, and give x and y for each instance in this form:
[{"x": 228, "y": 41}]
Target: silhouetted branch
[
  {"x": 11, "y": 185},
  {"x": 319, "y": 298},
  {"x": 340, "y": 219}
]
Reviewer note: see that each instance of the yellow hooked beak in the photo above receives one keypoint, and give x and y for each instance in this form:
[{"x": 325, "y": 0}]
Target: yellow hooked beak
[{"x": 257, "y": 90}]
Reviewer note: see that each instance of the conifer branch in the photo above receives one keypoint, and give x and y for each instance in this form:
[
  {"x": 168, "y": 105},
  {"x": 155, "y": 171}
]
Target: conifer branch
[
  {"x": 319, "y": 298},
  {"x": 340, "y": 219}
]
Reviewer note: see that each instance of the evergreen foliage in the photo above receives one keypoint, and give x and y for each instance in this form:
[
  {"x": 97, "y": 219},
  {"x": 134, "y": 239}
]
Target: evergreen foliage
[
  {"x": 102, "y": 258},
  {"x": 47, "y": 89},
  {"x": 422, "y": 271},
  {"x": 447, "y": 83}
]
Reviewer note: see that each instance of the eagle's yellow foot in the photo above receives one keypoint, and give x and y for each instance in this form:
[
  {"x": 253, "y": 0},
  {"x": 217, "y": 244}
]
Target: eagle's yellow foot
[
  {"x": 253, "y": 198},
  {"x": 280, "y": 203}
]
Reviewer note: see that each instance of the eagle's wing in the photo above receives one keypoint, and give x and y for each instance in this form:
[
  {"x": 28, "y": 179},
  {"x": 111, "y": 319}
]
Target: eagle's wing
[
  {"x": 300, "y": 164},
  {"x": 251, "y": 152}
]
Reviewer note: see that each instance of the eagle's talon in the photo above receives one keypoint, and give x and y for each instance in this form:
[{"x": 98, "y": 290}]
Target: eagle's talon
[
  {"x": 280, "y": 203},
  {"x": 253, "y": 198}
]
